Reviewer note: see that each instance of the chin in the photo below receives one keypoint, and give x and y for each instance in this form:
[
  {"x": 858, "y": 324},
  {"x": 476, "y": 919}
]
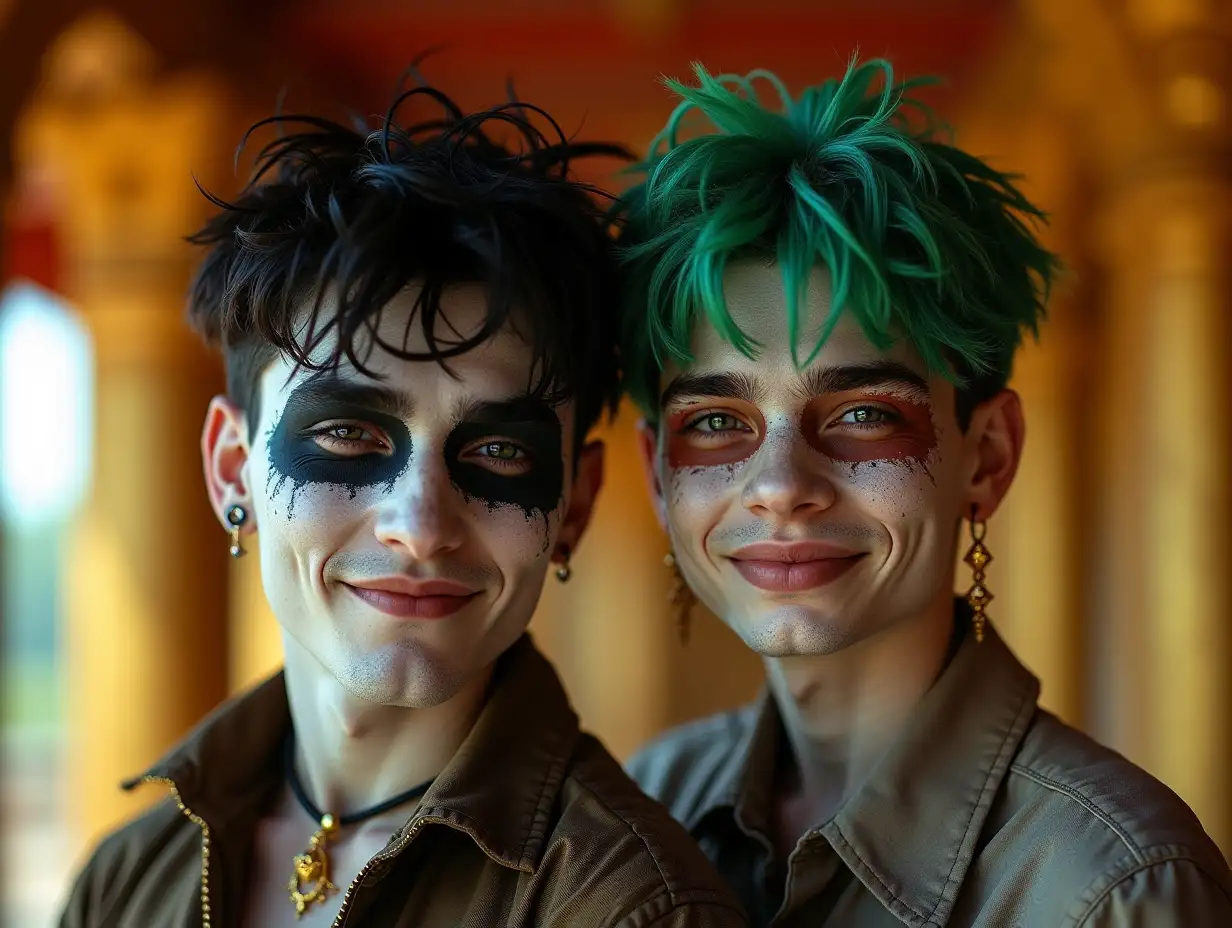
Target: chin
[
  {"x": 798, "y": 630},
  {"x": 402, "y": 673}
]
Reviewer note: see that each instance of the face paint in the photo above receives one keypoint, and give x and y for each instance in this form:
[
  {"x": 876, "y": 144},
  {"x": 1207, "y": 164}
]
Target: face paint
[
  {"x": 302, "y": 451},
  {"x": 398, "y": 504},
  {"x": 857, "y": 450},
  {"x": 890, "y": 426},
  {"x": 708, "y": 438},
  {"x": 531, "y": 428}
]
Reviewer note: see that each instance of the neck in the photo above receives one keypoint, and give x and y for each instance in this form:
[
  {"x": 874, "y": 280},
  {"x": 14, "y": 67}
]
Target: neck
[
  {"x": 842, "y": 711},
  {"x": 351, "y": 754}
]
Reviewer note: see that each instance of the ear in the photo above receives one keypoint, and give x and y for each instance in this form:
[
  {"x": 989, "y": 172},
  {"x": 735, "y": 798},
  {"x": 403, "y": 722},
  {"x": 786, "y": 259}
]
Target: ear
[
  {"x": 648, "y": 451},
  {"x": 995, "y": 437},
  {"x": 586, "y": 486},
  {"x": 224, "y": 457}
]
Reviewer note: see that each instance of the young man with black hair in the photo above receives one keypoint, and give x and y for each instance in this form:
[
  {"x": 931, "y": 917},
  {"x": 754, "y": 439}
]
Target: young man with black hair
[{"x": 419, "y": 330}]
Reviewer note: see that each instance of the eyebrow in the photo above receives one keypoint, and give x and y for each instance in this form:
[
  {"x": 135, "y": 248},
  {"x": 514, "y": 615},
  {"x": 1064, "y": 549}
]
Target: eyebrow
[
  {"x": 820, "y": 381},
  {"x": 815, "y": 382},
  {"x": 328, "y": 387},
  {"x": 731, "y": 386},
  {"x": 519, "y": 408}
]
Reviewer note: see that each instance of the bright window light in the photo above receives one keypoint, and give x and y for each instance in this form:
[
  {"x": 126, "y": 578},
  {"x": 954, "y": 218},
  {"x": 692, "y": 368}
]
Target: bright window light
[{"x": 46, "y": 407}]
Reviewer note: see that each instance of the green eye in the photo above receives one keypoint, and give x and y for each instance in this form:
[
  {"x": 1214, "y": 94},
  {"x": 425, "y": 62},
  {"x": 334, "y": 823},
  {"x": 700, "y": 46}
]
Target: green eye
[
  {"x": 866, "y": 414},
  {"x": 502, "y": 450},
  {"x": 717, "y": 422}
]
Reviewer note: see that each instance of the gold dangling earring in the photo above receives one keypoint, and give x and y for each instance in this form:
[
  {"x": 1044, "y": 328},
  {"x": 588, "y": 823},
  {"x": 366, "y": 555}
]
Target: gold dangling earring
[
  {"x": 564, "y": 571},
  {"x": 681, "y": 598},
  {"x": 236, "y": 517},
  {"x": 979, "y": 557}
]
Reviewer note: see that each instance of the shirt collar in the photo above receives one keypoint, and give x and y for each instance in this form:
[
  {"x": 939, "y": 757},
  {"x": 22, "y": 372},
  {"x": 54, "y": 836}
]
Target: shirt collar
[
  {"x": 505, "y": 779},
  {"x": 499, "y": 787},
  {"x": 909, "y": 832}
]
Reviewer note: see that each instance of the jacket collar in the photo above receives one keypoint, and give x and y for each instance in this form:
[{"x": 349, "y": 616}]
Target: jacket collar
[
  {"x": 499, "y": 787},
  {"x": 909, "y": 833}
]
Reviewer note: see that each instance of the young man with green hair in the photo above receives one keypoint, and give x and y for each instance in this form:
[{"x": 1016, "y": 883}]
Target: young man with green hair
[{"x": 823, "y": 304}]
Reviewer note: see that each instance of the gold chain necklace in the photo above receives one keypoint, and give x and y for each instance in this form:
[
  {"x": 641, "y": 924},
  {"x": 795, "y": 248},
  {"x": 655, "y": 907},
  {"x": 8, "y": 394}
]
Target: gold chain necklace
[{"x": 310, "y": 881}]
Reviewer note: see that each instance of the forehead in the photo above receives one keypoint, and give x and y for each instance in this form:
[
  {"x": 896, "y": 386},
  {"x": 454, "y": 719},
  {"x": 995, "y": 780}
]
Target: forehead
[
  {"x": 757, "y": 302},
  {"x": 499, "y": 367}
]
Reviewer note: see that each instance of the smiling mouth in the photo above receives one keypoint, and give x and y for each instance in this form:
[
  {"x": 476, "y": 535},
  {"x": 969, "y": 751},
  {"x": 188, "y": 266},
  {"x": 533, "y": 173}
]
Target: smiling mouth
[
  {"x": 427, "y": 605},
  {"x": 793, "y": 568}
]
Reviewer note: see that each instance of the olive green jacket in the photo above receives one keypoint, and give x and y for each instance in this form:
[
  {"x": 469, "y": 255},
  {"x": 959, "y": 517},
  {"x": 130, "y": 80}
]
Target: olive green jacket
[
  {"x": 988, "y": 812},
  {"x": 532, "y": 823}
]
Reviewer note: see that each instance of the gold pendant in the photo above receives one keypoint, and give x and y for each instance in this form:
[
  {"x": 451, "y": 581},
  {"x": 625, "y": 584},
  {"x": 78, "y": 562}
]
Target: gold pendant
[{"x": 311, "y": 883}]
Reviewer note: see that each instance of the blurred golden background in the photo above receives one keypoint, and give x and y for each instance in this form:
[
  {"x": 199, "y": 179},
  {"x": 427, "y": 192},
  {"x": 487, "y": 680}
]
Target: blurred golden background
[{"x": 123, "y": 619}]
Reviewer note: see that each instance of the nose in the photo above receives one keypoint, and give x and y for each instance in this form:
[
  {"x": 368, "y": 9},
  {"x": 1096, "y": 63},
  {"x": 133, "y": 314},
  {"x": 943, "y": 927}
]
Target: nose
[
  {"x": 420, "y": 515},
  {"x": 785, "y": 481}
]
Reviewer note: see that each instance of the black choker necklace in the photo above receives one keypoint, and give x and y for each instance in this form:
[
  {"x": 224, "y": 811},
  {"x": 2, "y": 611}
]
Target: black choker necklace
[{"x": 310, "y": 882}]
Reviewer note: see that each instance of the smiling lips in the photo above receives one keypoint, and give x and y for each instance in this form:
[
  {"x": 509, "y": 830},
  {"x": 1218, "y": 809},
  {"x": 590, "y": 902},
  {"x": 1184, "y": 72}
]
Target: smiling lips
[
  {"x": 793, "y": 567},
  {"x": 404, "y": 598}
]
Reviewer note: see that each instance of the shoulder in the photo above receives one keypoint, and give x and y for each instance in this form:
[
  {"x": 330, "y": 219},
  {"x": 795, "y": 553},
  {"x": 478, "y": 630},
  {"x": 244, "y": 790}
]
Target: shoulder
[
  {"x": 123, "y": 856},
  {"x": 627, "y": 853},
  {"x": 1111, "y": 821},
  {"x": 1078, "y": 780},
  {"x": 691, "y": 768}
]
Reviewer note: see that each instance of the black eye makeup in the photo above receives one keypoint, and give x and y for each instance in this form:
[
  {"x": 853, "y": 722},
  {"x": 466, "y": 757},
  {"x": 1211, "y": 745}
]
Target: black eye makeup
[
  {"x": 509, "y": 453},
  {"x": 354, "y": 436},
  {"x": 326, "y": 435}
]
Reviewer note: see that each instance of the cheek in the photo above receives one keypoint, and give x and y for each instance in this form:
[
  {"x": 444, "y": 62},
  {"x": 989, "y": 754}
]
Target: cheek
[
  {"x": 695, "y": 494},
  {"x": 316, "y": 519},
  {"x": 303, "y": 506},
  {"x": 902, "y": 493},
  {"x": 512, "y": 538},
  {"x": 895, "y": 491},
  {"x": 295, "y": 543}
]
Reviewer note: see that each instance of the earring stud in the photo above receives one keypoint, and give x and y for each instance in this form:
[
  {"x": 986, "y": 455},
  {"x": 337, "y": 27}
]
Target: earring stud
[
  {"x": 236, "y": 517},
  {"x": 564, "y": 571}
]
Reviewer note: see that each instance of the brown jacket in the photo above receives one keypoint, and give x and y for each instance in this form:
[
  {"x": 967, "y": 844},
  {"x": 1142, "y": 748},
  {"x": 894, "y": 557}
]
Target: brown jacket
[
  {"x": 532, "y": 823},
  {"x": 988, "y": 811}
]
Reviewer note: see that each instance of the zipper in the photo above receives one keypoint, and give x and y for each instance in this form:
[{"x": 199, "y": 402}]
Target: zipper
[
  {"x": 389, "y": 854},
  {"x": 363, "y": 874},
  {"x": 205, "y": 843}
]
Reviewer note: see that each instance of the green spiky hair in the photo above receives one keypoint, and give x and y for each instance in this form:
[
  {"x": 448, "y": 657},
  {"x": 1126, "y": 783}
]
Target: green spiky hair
[{"x": 922, "y": 241}]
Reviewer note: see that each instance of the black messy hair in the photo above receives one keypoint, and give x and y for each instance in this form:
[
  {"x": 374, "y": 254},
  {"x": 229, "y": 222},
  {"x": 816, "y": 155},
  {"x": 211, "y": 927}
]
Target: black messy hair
[{"x": 346, "y": 217}]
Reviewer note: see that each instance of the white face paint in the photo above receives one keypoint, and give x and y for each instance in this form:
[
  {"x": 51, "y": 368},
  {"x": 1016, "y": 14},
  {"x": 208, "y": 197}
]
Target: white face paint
[
  {"x": 808, "y": 508},
  {"x": 407, "y": 522}
]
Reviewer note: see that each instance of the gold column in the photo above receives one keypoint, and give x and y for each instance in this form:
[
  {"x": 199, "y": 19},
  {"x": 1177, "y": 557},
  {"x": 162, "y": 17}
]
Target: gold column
[
  {"x": 145, "y": 636},
  {"x": 1168, "y": 474},
  {"x": 1168, "y": 243},
  {"x": 1120, "y": 655},
  {"x": 1146, "y": 86}
]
